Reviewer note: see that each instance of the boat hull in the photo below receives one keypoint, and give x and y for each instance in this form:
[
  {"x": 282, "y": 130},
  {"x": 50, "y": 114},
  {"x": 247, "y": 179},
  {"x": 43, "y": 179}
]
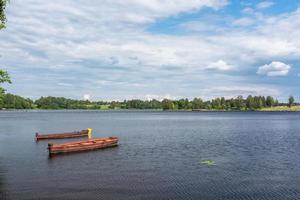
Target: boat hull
[
  {"x": 83, "y": 133},
  {"x": 85, "y": 145}
]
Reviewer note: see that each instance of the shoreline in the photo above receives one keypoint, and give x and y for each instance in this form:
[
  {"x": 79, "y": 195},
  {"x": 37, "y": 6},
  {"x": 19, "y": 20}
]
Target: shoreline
[{"x": 149, "y": 110}]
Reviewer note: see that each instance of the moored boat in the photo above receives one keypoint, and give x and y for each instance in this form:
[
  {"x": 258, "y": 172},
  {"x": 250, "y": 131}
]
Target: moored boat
[
  {"x": 84, "y": 145},
  {"x": 83, "y": 133}
]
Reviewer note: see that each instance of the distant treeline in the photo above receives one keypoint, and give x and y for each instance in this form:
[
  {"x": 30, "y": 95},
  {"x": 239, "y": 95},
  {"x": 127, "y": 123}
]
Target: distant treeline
[{"x": 10, "y": 101}]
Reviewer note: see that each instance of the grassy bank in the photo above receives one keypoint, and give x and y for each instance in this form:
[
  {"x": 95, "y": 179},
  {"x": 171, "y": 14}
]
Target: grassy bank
[{"x": 282, "y": 109}]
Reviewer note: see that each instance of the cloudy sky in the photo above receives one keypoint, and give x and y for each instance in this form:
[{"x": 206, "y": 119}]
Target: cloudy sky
[{"x": 124, "y": 49}]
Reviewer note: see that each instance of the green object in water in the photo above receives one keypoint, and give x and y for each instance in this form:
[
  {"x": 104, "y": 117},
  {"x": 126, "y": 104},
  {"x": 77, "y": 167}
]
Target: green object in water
[{"x": 208, "y": 162}]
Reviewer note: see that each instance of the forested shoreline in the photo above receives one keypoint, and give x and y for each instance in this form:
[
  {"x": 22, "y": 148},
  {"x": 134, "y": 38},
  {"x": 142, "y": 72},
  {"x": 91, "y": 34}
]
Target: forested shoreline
[{"x": 251, "y": 103}]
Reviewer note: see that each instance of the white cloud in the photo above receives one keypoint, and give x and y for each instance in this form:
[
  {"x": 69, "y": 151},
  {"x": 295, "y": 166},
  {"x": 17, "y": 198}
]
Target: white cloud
[
  {"x": 248, "y": 10},
  {"x": 264, "y": 4},
  {"x": 105, "y": 29},
  {"x": 109, "y": 41},
  {"x": 104, "y": 34},
  {"x": 220, "y": 65},
  {"x": 158, "y": 97},
  {"x": 86, "y": 97},
  {"x": 198, "y": 26},
  {"x": 136, "y": 11},
  {"x": 245, "y": 21},
  {"x": 274, "y": 69},
  {"x": 243, "y": 90}
]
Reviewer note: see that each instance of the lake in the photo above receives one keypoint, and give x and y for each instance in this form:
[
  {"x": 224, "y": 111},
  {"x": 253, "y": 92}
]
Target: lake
[{"x": 256, "y": 155}]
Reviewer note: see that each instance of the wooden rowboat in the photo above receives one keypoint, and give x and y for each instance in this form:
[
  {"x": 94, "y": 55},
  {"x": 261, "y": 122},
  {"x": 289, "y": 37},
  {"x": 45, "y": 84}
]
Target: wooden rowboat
[
  {"x": 84, "y": 145},
  {"x": 82, "y": 133}
]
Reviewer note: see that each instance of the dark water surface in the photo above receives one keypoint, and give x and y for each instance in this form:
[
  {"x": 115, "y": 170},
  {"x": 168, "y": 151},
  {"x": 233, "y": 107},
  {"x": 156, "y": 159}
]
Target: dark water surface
[{"x": 257, "y": 156}]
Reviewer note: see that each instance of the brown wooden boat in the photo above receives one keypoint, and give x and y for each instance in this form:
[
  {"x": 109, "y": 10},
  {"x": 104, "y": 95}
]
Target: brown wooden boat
[
  {"x": 82, "y": 133},
  {"x": 84, "y": 145}
]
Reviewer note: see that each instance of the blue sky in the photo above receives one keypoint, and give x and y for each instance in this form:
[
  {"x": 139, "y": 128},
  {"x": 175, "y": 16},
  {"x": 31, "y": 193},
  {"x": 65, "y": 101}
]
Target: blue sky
[{"x": 125, "y": 49}]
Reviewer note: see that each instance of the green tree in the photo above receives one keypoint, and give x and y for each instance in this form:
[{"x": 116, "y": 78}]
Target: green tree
[
  {"x": 291, "y": 101},
  {"x": 181, "y": 104},
  {"x": 240, "y": 103},
  {"x": 216, "y": 103},
  {"x": 4, "y": 78},
  {"x": 167, "y": 104},
  {"x": 269, "y": 101},
  {"x": 223, "y": 103},
  {"x": 11, "y": 101},
  {"x": 263, "y": 99},
  {"x": 197, "y": 103},
  {"x": 207, "y": 105},
  {"x": 2, "y": 13},
  {"x": 250, "y": 103},
  {"x": 113, "y": 105},
  {"x": 258, "y": 102},
  {"x": 155, "y": 104}
]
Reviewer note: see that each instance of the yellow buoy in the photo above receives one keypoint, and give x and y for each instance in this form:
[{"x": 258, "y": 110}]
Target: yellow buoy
[{"x": 89, "y": 133}]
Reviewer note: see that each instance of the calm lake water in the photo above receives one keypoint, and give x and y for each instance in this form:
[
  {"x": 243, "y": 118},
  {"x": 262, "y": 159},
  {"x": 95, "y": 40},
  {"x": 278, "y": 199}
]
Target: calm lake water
[{"x": 257, "y": 156}]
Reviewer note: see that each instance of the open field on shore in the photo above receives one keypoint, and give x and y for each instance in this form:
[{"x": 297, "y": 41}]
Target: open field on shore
[{"x": 282, "y": 108}]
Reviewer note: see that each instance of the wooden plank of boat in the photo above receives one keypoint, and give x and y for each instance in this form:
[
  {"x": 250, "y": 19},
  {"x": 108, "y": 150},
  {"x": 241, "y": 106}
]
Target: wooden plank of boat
[
  {"x": 82, "y": 133},
  {"x": 84, "y": 145}
]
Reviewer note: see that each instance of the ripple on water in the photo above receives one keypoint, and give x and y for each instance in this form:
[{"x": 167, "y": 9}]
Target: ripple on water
[{"x": 159, "y": 156}]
